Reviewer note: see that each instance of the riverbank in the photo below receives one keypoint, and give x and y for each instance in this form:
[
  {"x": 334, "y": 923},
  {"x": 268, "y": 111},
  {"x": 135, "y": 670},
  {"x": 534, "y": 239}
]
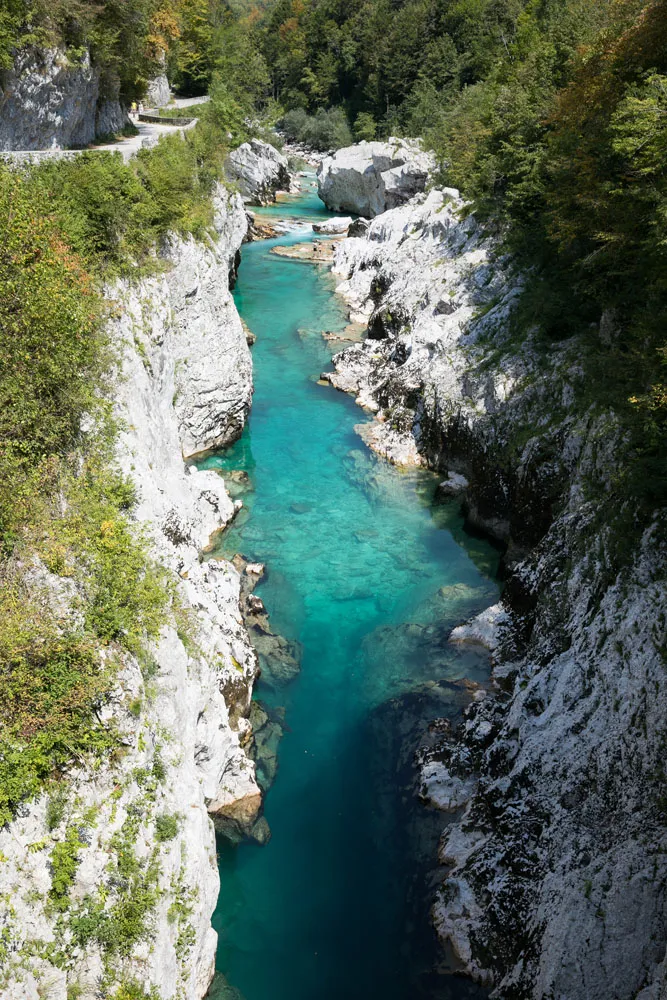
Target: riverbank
[
  {"x": 552, "y": 868},
  {"x": 366, "y": 572},
  {"x": 109, "y": 880}
]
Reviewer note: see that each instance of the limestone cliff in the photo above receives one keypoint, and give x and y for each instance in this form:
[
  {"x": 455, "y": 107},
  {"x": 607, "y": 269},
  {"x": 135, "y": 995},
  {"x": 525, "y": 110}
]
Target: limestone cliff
[
  {"x": 49, "y": 100},
  {"x": 143, "y": 880},
  {"x": 258, "y": 171},
  {"x": 554, "y": 867},
  {"x": 371, "y": 177}
]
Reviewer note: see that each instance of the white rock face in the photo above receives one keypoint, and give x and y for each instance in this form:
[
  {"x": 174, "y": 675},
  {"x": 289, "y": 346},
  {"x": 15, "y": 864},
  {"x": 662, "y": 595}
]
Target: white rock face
[
  {"x": 158, "y": 92},
  {"x": 184, "y": 708},
  {"x": 50, "y": 102},
  {"x": 371, "y": 177},
  {"x": 485, "y": 629},
  {"x": 213, "y": 377},
  {"x": 558, "y": 861},
  {"x": 258, "y": 170},
  {"x": 333, "y": 226}
]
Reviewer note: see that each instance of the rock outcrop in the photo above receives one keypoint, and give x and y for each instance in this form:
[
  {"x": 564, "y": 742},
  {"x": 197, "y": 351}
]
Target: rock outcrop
[
  {"x": 371, "y": 177},
  {"x": 48, "y": 101},
  {"x": 258, "y": 170},
  {"x": 555, "y": 866},
  {"x": 145, "y": 882},
  {"x": 335, "y": 226},
  {"x": 158, "y": 91},
  {"x": 213, "y": 379}
]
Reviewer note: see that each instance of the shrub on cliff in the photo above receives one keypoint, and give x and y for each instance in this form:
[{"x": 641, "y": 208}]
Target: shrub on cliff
[
  {"x": 63, "y": 509},
  {"x": 113, "y": 215}
]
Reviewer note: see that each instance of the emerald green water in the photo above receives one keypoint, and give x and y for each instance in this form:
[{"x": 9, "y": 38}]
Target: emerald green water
[{"x": 369, "y": 575}]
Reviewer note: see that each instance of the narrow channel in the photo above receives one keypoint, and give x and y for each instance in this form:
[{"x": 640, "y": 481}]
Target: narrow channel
[{"x": 368, "y": 573}]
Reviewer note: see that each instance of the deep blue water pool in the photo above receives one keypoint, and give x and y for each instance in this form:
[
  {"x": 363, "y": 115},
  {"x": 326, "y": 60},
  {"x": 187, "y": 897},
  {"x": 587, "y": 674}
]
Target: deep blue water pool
[{"x": 369, "y": 574}]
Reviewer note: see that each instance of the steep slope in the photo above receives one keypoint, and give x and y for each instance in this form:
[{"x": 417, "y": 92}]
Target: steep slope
[
  {"x": 50, "y": 100},
  {"x": 554, "y": 885},
  {"x": 110, "y": 880}
]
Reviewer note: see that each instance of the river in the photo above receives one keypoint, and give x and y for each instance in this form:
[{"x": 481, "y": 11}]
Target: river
[{"x": 368, "y": 573}]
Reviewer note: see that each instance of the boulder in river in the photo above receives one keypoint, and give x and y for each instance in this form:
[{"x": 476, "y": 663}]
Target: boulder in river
[
  {"x": 371, "y": 177},
  {"x": 258, "y": 170}
]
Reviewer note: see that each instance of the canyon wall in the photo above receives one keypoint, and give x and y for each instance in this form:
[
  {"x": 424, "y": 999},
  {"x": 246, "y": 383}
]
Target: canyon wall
[
  {"x": 554, "y": 871},
  {"x": 133, "y": 842},
  {"x": 48, "y": 100}
]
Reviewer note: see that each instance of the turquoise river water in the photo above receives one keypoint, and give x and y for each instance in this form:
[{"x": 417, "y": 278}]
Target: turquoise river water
[{"x": 368, "y": 573}]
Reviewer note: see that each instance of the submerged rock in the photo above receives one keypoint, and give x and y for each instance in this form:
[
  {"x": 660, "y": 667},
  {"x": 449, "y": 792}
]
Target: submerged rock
[
  {"x": 279, "y": 658},
  {"x": 267, "y": 731}
]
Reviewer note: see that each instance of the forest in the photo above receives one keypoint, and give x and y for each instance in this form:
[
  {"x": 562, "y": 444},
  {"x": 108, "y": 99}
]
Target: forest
[{"x": 549, "y": 115}]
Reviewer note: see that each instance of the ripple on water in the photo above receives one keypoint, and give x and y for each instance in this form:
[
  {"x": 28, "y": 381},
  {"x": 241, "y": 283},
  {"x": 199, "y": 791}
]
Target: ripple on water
[{"x": 368, "y": 575}]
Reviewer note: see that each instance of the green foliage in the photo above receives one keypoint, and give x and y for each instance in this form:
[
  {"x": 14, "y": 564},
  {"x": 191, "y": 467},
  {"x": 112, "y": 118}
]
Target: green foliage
[
  {"x": 121, "y": 916},
  {"x": 64, "y": 864},
  {"x": 294, "y": 124},
  {"x": 132, "y": 989},
  {"x": 180, "y": 911},
  {"x": 239, "y": 65},
  {"x": 51, "y": 344},
  {"x": 365, "y": 127},
  {"x": 16, "y": 30},
  {"x": 126, "y": 40},
  {"x": 323, "y": 131},
  {"x": 56, "y": 806},
  {"x": 166, "y": 827},
  {"x": 191, "y": 57},
  {"x": 114, "y": 214},
  {"x": 52, "y": 683},
  {"x": 159, "y": 769}
]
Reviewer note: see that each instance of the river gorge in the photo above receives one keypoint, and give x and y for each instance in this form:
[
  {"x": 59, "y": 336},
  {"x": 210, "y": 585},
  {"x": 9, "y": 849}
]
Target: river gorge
[
  {"x": 372, "y": 676},
  {"x": 368, "y": 573}
]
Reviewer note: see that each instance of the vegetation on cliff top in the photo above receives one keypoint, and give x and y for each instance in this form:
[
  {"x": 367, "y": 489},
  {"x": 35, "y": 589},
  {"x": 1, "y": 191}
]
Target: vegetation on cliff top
[{"x": 64, "y": 509}]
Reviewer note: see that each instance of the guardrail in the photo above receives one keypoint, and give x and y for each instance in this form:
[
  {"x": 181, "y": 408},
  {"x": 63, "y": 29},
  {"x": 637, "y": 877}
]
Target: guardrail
[{"x": 155, "y": 119}]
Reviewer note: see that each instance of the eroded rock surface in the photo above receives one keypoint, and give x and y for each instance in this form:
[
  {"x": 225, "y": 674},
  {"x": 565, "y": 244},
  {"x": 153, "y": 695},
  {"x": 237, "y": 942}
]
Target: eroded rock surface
[
  {"x": 258, "y": 170},
  {"x": 50, "y": 101},
  {"x": 371, "y": 177},
  {"x": 213, "y": 374},
  {"x": 182, "y": 710},
  {"x": 555, "y": 885},
  {"x": 158, "y": 91}
]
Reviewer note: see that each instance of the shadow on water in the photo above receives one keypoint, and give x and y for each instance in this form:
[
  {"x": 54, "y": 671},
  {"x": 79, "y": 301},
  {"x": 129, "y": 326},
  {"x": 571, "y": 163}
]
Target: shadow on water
[{"x": 369, "y": 575}]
